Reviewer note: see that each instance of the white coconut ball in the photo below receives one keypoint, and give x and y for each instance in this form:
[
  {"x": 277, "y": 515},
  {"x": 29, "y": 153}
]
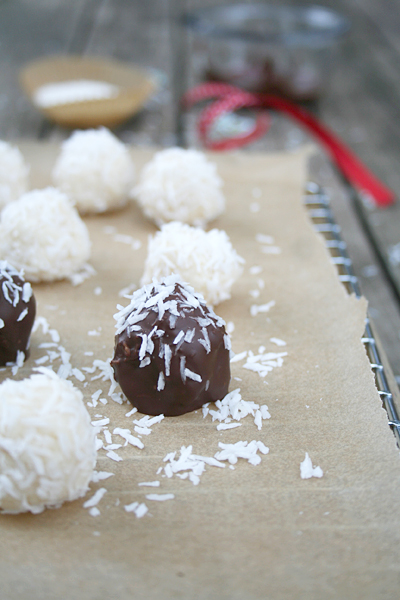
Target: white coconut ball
[
  {"x": 47, "y": 443},
  {"x": 206, "y": 260},
  {"x": 180, "y": 185},
  {"x": 14, "y": 173},
  {"x": 95, "y": 170},
  {"x": 43, "y": 234}
]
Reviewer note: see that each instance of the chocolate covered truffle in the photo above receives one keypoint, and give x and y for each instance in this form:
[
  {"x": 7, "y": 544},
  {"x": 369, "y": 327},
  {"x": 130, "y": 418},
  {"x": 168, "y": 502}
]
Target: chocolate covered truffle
[
  {"x": 171, "y": 350},
  {"x": 17, "y": 314}
]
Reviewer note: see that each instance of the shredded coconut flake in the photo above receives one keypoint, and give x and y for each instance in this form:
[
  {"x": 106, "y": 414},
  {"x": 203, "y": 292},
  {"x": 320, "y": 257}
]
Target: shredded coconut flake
[
  {"x": 307, "y": 470},
  {"x": 242, "y": 449},
  {"x": 160, "y": 497}
]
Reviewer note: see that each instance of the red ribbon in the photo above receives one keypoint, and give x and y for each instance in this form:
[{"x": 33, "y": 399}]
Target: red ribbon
[{"x": 230, "y": 98}]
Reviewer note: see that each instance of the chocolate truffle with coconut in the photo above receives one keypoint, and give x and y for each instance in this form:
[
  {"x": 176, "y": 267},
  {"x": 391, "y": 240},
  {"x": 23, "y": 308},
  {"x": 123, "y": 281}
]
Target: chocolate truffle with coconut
[
  {"x": 17, "y": 314},
  {"x": 180, "y": 185},
  {"x": 14, "y": 173},
  {"x": 206, "y": 260},
  {"x": 95, "y": 170},
  {"x": 171, "y": 350},
  {"x": 43, "y": 234},
  {"x": 47, "y": 443}
]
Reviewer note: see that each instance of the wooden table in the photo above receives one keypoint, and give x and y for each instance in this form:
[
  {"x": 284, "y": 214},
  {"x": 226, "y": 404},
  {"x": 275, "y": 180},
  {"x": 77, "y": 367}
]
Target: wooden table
[{"x": 360, "y": 104}]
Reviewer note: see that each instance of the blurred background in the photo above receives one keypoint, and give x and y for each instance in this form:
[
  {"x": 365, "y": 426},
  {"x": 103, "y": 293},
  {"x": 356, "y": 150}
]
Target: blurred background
[{"x": 358, "y": 97}]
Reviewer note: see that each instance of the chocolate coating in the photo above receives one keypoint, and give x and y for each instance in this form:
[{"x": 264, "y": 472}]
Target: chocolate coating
[
  {"x": 164, "y": 371},
  {"x": 17, "y": 314}
]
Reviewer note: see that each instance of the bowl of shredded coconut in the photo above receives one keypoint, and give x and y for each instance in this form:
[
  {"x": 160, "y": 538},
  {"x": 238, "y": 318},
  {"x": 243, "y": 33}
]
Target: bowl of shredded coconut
[{"x": 86, "y": 92}]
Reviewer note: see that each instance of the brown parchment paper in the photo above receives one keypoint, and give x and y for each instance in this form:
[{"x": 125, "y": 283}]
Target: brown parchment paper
[{"x": 254, "y": 532}]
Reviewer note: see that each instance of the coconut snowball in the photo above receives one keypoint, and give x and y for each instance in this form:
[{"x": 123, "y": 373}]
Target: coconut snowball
[
  {"x": 180, "y": 185},
  {"x": 14, "y": 174},
  {"x": 47, "y": 443},
  {"x": 95, "y": 170},
  {"x": 206, "y": 260},
  {"x": 43, "y": 234}
]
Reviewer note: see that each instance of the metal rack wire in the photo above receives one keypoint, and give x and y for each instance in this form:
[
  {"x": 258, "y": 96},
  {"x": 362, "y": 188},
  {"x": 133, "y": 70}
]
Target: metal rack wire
[{"x": 318, "y": 206}]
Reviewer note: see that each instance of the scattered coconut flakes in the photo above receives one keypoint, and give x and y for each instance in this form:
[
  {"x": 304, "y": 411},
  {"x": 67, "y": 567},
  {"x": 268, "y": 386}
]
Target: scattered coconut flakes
[
  {"x": 232, "y": 406},
  {"x": 106, "y": 374},
  {"x": 100, "y": 476},
  {"x": 261, "y": 308},
  {"x": 264, "y": 363},
  {"x": 307, "y": 470},
  {"x": 78, "y": 374},
  {"x": 223, "y": 426},
  {"x": 142, "y": 430},
  {"x": 94, "y": 332},
  {"x": 129, "y": 240},
  {"x": 271, "y": 250},
  {"x": 18, "y": 362},
  {"x": 94, "y": 512},
  {"x": 107, "y": 436},
  {"x": 255, "y": 207},
  {"x": 128, "y": 437},
  {"x": 85, "y": 272},
  {"x": 131, "y": 507},
  {"x": 277, "y": 341},
  {"x": 139, "y": 509},
  {"x": 230, "y": 327},
  {"x": 255, "y": 270},
  {"x": 191, "y": 464},
  {"x": 101, "y": 422},
  {"x": 131, "y": 412},
  {"x": 96, "y": 395},
  {"x": 160, "y": 497},
  {"x": 241, "y": 449},
  {"x": 42, "y": 360},
  {"x": 114, "y": 456},
  {"x": 95, "y": 499},
  {"x": 238, "y": 357},
  {"x": 113, "y": 447},
  {"x": 150, "y": 483},
  {"x": 148, "y": 421},
  {"x": 97, "y": 291},
  {"x": 262, "y": 238}
]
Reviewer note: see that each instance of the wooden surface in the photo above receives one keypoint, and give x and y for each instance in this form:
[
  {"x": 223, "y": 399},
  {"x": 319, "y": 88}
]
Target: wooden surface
[{"x": 361, "y": 104}]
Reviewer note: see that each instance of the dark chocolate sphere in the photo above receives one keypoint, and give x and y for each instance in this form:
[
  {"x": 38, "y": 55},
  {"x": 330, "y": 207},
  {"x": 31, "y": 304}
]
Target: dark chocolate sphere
[
  {"x": 17, "y": 314},
  {"x": 171, "y": 350}
]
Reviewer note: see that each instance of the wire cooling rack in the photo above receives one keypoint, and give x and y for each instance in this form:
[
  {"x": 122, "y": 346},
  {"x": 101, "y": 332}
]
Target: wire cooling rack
[{"x": 318, "y": 206}]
